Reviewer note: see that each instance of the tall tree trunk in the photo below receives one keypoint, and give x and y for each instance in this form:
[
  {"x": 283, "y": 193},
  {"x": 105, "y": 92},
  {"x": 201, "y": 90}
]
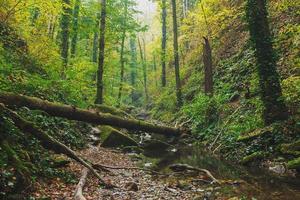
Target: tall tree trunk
[
  {"x": 95, "y": 40},
  {"x": 133, "y": 64},
  {"x": 143, "y": 60},
  {"x": 122, "y": 61},
  {"x": 176, "y": 55},
  {"x": 164, "y": 43},
  {"x": 75, "y": 27},
  {"x": 65, "y": 33},
  {"x": 208, "y": 67},
  {"x": 99, "y": 95},
  {"x": 271, "y": 95}
]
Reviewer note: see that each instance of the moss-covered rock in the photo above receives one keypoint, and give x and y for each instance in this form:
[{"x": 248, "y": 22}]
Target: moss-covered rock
[
  {"x": 291, "y": 149},
  {"x": 114, "y": 138},
  {"x": 252, "y": 157},
  {"x": 294, "y": 164}
]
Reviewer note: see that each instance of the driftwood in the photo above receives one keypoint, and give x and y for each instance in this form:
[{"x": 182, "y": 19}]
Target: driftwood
[
  {"x": 73, "y": 113},
  {"x": 182, "y": 167},
  {"x": 79, "y": 188},
  {"x": 47, "y": 141}
]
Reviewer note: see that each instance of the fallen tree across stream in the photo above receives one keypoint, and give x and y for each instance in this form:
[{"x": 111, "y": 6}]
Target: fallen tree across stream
[{"x": 73, "y": 113}]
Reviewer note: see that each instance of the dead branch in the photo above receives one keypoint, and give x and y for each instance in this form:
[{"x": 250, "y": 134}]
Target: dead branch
[{"x": 79, "y": 188}]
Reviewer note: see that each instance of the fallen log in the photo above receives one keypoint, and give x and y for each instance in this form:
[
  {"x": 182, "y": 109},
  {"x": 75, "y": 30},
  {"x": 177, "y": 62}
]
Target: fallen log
[
  {"x": 182, "y": 167},
  {"x": 73, "y": 113},
  {"x": 79, "y": 188},
  {"x": 47, "y": 141}
]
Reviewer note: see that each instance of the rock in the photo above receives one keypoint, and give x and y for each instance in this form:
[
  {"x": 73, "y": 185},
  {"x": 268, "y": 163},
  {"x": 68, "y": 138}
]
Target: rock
[
  {"x": 59, "y": 162},
  {"x": 114, "y": 138},
  {"x": 278, "y": 169},
  {"x": 148, "y": 164},
  {"x": 154, "y": 148},
  {"x": 132, "y": 186}
]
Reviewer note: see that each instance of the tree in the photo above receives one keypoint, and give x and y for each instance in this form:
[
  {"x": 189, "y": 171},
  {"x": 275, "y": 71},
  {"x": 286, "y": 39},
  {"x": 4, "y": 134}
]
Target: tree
[
  {"x": 96, "y": 39},
  {"x": 75, "y": 27},
  {"x": 164, "y": 43},
  {"x": 133, "y": 66},
  {"x": 176, "y": 55},
  {"x": 65, "y": 33},
  {"x": 122, "y": 60},
  {"x": 208, "y": 68},
  {"x": 271, "y": 95},
  {"x": 99, "y": 95}
]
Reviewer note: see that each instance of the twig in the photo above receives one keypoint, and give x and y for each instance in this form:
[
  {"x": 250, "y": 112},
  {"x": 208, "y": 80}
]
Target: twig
[{"x": 79, "y": 188}]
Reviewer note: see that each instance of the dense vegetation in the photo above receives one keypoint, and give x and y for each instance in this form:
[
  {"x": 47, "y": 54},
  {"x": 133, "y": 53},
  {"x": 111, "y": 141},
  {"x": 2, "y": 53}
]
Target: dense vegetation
[{"x": 228, "y": 70}]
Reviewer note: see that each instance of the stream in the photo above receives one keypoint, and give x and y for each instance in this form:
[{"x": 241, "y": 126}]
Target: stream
[{"x": 247, "y": 182}]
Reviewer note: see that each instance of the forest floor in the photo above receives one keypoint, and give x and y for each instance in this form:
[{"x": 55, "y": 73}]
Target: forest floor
[{"x": 133, "y": 184}]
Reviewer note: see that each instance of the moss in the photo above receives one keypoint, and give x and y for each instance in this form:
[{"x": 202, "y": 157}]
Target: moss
[
  {"x": 114, "y": 138},
  {"x": 294, "y": 164},
  {"x": 252, "y": 157},
  {"x": 292, "y": 148},
  {"x": 112, "y": 110},
  {"x": 256, "y": 133}
]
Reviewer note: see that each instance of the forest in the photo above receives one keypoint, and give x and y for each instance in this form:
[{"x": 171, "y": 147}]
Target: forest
[{"x": 150, "y": 99}]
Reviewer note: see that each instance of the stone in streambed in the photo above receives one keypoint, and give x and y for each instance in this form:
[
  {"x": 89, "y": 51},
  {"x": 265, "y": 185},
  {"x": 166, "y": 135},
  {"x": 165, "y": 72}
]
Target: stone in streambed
[{"x": 114, "y": 138}]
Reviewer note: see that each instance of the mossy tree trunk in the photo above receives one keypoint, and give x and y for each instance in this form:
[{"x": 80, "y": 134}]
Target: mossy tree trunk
[
  {"x": 99, "y": 95},
  {"x": 176, "y": 54},
  {"x": 73, "y": 113},
  {"x": 208, "y": 67},
  {"x": 133, "y": 66},
  {"x": 269, "y": 81},
  {"x": 65, "y": 33},
  {"x": 75, "y": 27},
  {"x": 164, "y": 43}
]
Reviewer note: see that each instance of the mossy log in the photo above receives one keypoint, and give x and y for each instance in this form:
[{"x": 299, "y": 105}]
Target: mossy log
[
  {"x": 47, "y": 141},
  {"x": 292, "y": 148},
  {"x": 256, "y": 133},
  {"x": 111, "y": 110},
  {"x": 252, "y": 157},
  {"x": 73, "y": 113}
]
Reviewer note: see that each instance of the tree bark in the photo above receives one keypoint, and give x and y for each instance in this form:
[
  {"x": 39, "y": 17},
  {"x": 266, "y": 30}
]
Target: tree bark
[
  {"x": 142, "y": 56},
  {"x": 269, "y": 81},
  {"x": 65, "y": 33},
  {"x": 133, "y": 66},
  {"x": 208, "y": 68},
  {"x": 75, "y": 28},
  {"x": 99, "y": 95},
  {"x": 164, "y": 43},
  {"x": 73, "y": 113},
  {"x": 176, "y": 55},
  {"x": 46, "y": 141}
]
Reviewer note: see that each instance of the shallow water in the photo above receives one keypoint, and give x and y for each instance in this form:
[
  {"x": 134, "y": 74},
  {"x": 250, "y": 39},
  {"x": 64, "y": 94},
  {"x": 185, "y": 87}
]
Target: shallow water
[{"x": 257, "y": 183}]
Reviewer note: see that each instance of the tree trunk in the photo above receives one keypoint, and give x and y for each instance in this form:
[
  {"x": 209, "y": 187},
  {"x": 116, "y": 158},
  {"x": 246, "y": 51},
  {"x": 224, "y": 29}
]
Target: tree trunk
[
  {"x": 269, "y": 81},
  {"x": 133, "y": 65},
  {"x": 75, "y": 28},
  {"x": 208, "y": 68},
  {"x": 73, "y": 113},
  {"x": 164, "y": 43},
  {"x": 143, "y": 56},
  {"x": 176, "y": 55},
  {"x": 95, "y": 40},
  {"x": 99, "y": 95},
  {"x": 65, "y": 33}
]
